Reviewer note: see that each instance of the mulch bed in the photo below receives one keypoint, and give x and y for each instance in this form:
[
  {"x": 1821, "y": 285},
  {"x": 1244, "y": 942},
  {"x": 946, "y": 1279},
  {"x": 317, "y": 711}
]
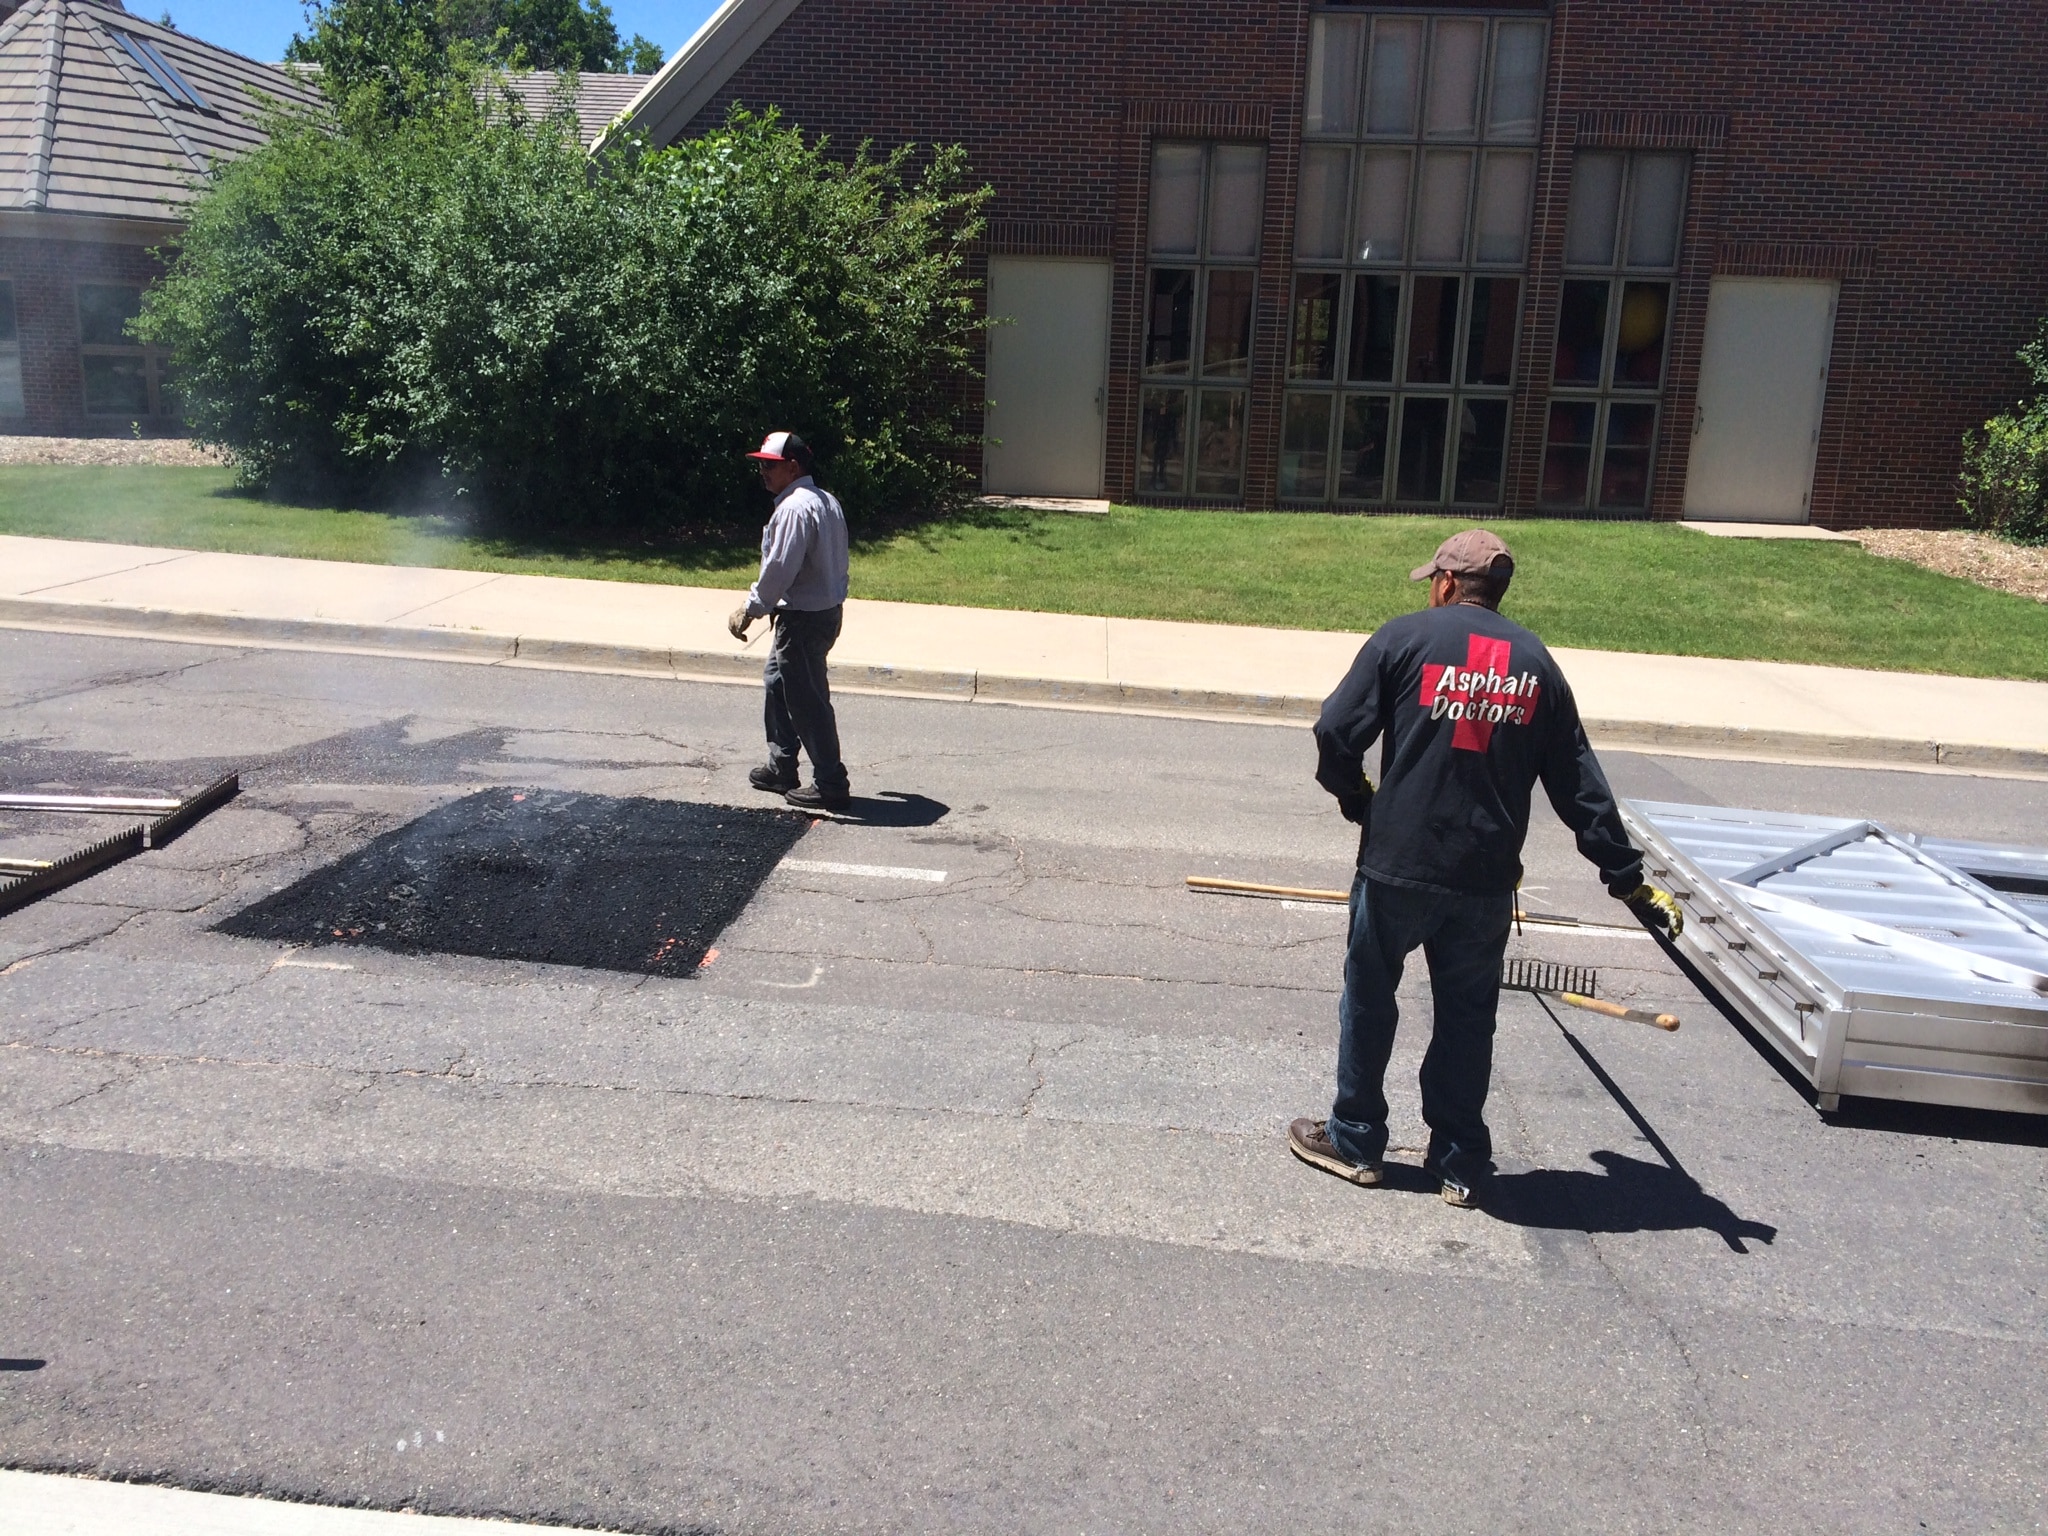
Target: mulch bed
[
  {"x": 1979, "y": 557},
  {"x": 176, "y": 451}
]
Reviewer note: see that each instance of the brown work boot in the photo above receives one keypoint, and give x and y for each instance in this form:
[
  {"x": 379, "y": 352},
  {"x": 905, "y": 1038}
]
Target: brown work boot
[{"x": 1309, "y": 1140}]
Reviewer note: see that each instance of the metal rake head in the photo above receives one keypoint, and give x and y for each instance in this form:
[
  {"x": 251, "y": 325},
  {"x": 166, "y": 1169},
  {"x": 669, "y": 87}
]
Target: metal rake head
[{"x": 1542, "y": 976}]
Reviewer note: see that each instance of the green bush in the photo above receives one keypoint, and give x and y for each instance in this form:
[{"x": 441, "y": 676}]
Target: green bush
[
  {"x": 462, "y": 298},
  {"x": 2005, "y": 467}
]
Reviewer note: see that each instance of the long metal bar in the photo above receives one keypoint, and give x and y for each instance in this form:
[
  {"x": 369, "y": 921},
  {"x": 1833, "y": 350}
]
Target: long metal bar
[
  {"x": 92, "y": 805},
  {"x": 1786, "y": 862},
  {"x": 70, "y": 869},
  {"x": 186, "y": 812},
  {"x": 23, "y": 866}
]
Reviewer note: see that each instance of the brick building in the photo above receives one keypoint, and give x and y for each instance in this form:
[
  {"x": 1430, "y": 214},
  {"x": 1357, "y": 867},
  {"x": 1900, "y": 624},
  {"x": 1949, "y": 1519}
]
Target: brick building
[
  {"x": 108, "y": 123},
  {"x": 1720, "y": 258}
]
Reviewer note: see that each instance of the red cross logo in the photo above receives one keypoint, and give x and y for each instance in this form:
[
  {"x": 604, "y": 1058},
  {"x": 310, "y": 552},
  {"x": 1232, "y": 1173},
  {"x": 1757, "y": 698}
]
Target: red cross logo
[{"x": 1485, "y": 693}]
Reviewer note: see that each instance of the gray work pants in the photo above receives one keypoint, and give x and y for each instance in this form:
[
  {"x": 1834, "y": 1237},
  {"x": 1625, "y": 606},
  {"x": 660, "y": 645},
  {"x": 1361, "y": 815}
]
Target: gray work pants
[{"x": 799, "y": 704}]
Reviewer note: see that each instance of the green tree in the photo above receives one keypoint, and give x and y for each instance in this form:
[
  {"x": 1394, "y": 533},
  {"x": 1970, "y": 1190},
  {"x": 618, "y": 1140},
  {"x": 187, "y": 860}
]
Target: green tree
[
  {"x": 2005, "y": 466},
  {"x": 456, "y": 301},
  {"x": 399, "y": 48}
]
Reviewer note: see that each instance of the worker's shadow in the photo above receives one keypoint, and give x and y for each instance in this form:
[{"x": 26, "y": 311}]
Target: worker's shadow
[
  {"x": 1627, "y": 1195},
  {"x": 894, "y": 808}
]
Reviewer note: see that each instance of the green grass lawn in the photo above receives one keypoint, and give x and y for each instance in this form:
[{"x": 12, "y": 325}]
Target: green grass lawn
[{"x": 1607, "y": 586}]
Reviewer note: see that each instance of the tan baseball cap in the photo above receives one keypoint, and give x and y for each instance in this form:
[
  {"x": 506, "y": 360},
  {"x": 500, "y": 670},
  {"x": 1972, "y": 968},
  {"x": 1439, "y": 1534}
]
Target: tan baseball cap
[{"x": 1475, "y": 552}]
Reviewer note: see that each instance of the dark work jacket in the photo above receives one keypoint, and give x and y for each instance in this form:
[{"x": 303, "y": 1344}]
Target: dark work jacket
[{"x": 1470, "y": 711}]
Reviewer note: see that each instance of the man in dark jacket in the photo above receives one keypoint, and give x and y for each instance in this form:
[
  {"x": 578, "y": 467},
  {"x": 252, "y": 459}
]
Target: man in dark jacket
[{"x": 1470, "y": 711}]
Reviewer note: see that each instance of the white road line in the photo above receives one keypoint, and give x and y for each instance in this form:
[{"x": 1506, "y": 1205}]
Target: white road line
[
  {"x": 81, "y": 1506},
  {"x": 861, "y": 871},
  {"x": 1316, "y": 906}
]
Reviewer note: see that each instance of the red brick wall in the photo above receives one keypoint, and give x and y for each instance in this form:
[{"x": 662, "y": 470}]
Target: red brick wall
[
  {"x": 43, "y": 273},
  {"x": 1902, "y": 149}
]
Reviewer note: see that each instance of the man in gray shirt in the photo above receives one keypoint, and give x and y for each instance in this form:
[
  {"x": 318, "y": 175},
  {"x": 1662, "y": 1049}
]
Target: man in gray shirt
[{"x": 802, "y": 591}]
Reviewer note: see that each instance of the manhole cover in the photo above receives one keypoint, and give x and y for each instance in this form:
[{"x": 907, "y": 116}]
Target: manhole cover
[{"x": 616, "y": 885}]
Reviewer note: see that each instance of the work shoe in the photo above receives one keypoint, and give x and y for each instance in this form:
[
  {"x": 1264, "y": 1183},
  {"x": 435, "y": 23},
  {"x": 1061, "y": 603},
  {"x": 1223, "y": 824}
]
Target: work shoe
[
  {"x": 1460, "y": 1177},
  {"x": 1309, "y": 1140},
  {"x": 772, "y": 779},
  {"x": 808, "y": 797}
]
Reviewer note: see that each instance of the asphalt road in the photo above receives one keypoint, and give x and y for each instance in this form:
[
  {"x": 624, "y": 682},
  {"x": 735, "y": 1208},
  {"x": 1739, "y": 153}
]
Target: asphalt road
[{"x": 939, "y": 1205}]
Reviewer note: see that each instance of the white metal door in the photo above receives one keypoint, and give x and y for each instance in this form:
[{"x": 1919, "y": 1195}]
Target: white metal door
[
  {"x": 1047, "y": 370},
  {"x": 1763, "y": 378}
]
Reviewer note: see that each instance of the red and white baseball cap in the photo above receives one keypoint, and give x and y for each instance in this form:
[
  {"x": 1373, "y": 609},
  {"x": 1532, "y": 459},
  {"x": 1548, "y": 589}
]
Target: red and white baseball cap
[{"x": 782, "y": 448}]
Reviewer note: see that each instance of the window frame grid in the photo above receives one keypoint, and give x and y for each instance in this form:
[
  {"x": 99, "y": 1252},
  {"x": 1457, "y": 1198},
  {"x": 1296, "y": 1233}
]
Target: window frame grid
[
  {"x": 1195, "y": 384},
  {"x": 1477, "y": 144},
  {"x": 1617, "y": 274},
  {"x": 153, "y": 359}
]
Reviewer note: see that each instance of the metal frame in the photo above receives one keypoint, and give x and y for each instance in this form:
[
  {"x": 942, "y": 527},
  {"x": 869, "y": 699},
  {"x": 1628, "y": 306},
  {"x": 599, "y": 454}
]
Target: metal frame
[
  {"x": 23, "y": 880},
  {"x": 1959, "y": 1021}
]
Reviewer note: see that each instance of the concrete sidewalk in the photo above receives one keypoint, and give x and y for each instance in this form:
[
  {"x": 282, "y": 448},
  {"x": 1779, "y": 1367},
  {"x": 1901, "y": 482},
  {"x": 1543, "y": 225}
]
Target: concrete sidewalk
[{"x": 1681, "y": 703}]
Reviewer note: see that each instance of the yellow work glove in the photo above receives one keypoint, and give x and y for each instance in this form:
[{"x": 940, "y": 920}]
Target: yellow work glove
[{"x": 1655, "y": 908}]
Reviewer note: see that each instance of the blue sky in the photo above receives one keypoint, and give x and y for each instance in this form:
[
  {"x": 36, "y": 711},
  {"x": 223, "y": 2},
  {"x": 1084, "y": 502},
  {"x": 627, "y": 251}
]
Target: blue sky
[{"x": 261, "y": 28}]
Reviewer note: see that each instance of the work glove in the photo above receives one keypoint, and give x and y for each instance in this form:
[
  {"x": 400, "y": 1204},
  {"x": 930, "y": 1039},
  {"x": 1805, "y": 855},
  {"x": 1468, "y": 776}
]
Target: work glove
[
  {"x": 1654, "y": 908},
  {"x": 737, "y": 624},
  {"x": 1357, "y": 808}
]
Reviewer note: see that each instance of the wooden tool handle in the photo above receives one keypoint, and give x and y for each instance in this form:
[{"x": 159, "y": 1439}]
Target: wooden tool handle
[
  {"x": 1247, "y": 888},
  {"x": 1663, "y": 1021}
]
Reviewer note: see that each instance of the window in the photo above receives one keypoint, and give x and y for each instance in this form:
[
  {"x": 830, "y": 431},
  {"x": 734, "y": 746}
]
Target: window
[
  {"x": 150, "y": 59},
  {"x": 1208, "y": 201},
  {"x": 1412, "y": 241},
  {"x": 122, "y": 377},
  {"x": 1614, "y": 318},
  {"x": 11, "y": 402}
]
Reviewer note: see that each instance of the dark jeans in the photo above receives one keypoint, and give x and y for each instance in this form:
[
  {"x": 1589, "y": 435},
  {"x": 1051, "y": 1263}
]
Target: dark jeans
[
  {"x": 1463, "y": 938},
  {"x": 799, "y": 706}
]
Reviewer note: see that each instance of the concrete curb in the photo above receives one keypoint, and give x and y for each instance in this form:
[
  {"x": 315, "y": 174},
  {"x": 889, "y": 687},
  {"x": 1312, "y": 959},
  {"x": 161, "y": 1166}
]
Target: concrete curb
[{"x": 964, "y": 687}]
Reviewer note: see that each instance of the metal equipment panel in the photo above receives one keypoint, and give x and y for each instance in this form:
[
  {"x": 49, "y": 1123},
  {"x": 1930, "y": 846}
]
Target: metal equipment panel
[{"x": 1875, "y": 963}]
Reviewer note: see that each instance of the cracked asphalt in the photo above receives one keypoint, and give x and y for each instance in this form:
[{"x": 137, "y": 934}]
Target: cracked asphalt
[{"x": 938, "y": 1205}]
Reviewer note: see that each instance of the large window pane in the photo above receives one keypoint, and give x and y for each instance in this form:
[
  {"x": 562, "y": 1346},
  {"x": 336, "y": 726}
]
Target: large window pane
[
  {"x": 1237, "y": 199},
  {"x": 1505, "y": 177},
  {"x": 1227, "y": 326},
  {"x": 116, "y": 386},
  {"x": 1375, "y": 322},
  {"x": 1333, "y": 52},
  {"x": 1455, "y": 57},
  {"x": 1312, "y": 345},
  {"x": 1219, "y": 443},
  {"x": 1596, "y": 204},
  {"x": 1657, "y": 209},
  {"x": 1625, "y": 462},
  {"x": 1170, "y": 321},
  {"x": 1432, "y": 330},
  {"x": 104, "y": 310},
  {"x": 1568, "y": 452},
  {"x": 1176, "y": 198},
  {"x": 1383, "y": 204},
  {"x": 1490, "y": 334},
  {"x": 1639, "y": 335},
  {"x": 1581, "y": 332},
  {"x": 1162, "y": 441},
  {"x": 1394, "y": 75},
  {"x": 1305, "y": 447},
  {"x": 11, "y": 402},
  {"x": 1325, "y": 200},
  {"x": 1441, "y": 203},
  {"x": 1362, "y": 452},
  {"x": 1517, "y": 81},
  {"x": 1419, "y": 471},
  {"x": 1482, "y": 449}
]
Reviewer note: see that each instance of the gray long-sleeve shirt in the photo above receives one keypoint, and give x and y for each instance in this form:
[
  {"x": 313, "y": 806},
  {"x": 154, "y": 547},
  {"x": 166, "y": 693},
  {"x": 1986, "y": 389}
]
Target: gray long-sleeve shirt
[{"x": 803, "y": 553}]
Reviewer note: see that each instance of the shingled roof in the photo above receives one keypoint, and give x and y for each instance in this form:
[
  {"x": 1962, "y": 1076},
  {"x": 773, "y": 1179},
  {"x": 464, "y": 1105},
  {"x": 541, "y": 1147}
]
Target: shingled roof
[
  {"x": 103, "y": 113},
  {"x": 600, "y": 98}
]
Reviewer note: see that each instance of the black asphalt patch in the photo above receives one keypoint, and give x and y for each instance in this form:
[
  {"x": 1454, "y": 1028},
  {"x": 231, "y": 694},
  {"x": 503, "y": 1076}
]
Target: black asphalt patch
[{"x": 587, "y": 880}]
